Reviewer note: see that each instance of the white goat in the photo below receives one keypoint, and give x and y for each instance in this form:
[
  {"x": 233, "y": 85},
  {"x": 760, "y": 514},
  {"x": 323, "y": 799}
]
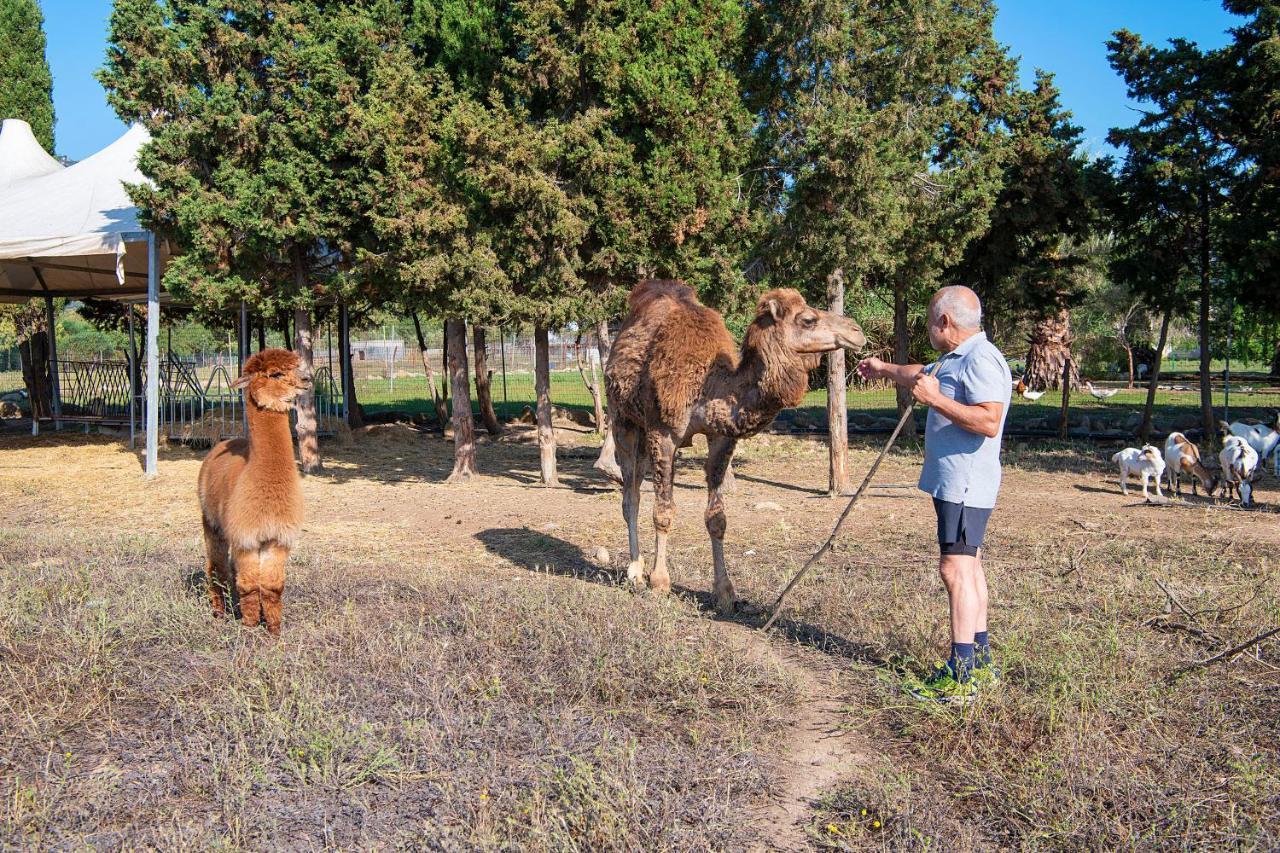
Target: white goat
[
  {"x": 1262, "y": 438},
  {"x": 1146, "y": 462},
  {"x": 1239, "y": 467},
  {"x": 1182, "y": 458}
]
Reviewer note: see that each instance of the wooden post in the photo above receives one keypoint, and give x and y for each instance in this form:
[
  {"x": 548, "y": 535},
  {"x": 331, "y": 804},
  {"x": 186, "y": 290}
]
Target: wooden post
[
  {"x": 837, "y": 410},
  {"x": 153, "y": 356},
  {"x": 1066, "y": 396}
]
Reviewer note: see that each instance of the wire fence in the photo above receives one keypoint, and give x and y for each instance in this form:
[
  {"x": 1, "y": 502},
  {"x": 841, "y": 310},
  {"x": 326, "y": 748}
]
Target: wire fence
[{"x": 389, "y": 376}]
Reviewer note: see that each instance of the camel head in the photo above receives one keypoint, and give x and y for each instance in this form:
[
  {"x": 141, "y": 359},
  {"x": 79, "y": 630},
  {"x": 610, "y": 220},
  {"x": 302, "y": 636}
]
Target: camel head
[
  {"x": 274, "y": 378},
  {"x": 783, "y": 316}
]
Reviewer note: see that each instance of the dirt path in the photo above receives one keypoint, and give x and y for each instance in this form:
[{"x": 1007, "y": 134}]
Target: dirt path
[{"x": 818, "y": 752}]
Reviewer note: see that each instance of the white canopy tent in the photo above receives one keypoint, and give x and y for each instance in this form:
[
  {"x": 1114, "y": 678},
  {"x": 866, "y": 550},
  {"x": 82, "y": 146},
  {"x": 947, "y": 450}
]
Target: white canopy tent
[{"x": 74, "y": 232}]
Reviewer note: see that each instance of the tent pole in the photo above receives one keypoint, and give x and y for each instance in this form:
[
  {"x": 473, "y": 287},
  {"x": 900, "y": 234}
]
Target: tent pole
[
  {"x": 53, "y": 361},
  {"x": 133, "y": 384},
  {"x": 153, "y": 354}
]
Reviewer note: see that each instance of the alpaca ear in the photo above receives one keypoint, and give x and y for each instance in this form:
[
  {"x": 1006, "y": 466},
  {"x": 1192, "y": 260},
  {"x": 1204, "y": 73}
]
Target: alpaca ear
[{"x": 241, "y": 381}]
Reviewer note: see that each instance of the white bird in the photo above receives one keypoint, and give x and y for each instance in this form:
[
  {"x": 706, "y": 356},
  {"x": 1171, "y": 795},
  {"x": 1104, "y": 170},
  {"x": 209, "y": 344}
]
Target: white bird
[
  {"x": 1027, "y": 393},
  {"x": 1099, "y": 393}
]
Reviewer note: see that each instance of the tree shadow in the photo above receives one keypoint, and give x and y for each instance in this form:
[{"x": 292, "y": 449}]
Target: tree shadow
[{"x": 542, "y": 553}]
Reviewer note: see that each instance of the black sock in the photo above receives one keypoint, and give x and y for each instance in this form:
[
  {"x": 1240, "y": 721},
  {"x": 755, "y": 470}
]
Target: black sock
[
  {"x": 962, "y": 661},
  {"x": 982, "y": 649}
]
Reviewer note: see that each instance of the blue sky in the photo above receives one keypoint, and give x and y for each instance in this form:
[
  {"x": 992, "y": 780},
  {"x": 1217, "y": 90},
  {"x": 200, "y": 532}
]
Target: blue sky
[{"x": 1064, "y": 37}]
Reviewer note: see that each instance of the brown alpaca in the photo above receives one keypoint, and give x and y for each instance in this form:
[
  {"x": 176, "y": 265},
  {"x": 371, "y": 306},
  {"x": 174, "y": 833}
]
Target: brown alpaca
[
  {"x": 675, "y": 372},
  {"x": 251, "y": 495}
]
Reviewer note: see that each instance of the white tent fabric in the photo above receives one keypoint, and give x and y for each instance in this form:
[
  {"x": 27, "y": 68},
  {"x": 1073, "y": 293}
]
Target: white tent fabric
[
  {"x": 68, "y": 232},
  {"x": 21, "y": 156}
]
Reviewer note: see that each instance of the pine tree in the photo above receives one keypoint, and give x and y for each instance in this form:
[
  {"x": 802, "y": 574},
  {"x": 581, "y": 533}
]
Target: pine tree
[
  {"x": 26, "y": 84},
  {"x": 1178, "y": 168},
  {"x": 256, "y": 152}
]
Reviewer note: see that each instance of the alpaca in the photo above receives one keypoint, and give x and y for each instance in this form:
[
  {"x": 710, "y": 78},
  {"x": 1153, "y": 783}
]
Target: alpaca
[
  {"x": 251, "y": 494},
  {"x": 674, "y": 372}
]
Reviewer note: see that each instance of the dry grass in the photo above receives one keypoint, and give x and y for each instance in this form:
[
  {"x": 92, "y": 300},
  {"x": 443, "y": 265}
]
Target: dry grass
[{"x": 453, "y": 668}]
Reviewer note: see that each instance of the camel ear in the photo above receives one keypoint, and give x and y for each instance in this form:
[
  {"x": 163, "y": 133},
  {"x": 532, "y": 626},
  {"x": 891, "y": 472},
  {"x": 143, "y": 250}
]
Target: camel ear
[
  {"x": 241, "y": 381},
  {"x": 774, "y": 308}
]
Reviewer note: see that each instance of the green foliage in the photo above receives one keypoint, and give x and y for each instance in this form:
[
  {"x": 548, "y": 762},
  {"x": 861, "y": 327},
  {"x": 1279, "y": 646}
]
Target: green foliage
[
  {"x": 256, "y": 138},
  {"x": 26, "y": 85}
]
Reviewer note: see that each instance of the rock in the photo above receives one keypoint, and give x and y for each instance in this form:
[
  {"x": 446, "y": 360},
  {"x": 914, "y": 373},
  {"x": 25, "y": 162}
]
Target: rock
[
  {"x": 601, "y": 556},
  {"x": 767, "y": 506},
  {"x": 1132, "y": 422},
  {"x": 860, "y": 419},
  {"x": 9, "y": 410},
  {"x": 550, "y": 525},
  {"x": 526, "y": 416}
]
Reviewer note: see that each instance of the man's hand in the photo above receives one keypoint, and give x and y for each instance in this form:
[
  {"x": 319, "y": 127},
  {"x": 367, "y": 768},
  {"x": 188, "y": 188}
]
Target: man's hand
[
  {"x": 926, "y": 390},
  {"x": 871, "y": 368}
]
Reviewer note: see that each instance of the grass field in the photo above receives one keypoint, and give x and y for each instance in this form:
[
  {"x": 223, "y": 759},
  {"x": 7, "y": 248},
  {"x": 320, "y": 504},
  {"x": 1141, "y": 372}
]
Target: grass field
[{"x": 457, "y": 670}]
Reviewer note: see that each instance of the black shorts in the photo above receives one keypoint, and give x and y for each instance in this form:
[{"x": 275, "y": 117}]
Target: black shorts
[{"x": 960, "y": 528}]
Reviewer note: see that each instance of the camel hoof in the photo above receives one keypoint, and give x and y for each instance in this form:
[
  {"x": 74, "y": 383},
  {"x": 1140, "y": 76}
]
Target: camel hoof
[
  {"x": 635, "y": 575},
  {"x": 660, "y": 582},
  {"x": 726, "y": 603}
]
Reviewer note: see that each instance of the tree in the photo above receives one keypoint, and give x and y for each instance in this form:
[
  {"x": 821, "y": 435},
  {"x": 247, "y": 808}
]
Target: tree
[
  {"x": 1251, "y": 90},
  {"x": 26, "y": 92},
  {"x": 1025, "y": 263},
  {"x": 1178, "y": 165},
  {"x": 255, "y": 158}
]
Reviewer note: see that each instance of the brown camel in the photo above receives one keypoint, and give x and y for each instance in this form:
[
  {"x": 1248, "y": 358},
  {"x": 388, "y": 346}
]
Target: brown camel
[
  {"x": 251, "y": 494},
  {"x": 675, "y": 372}
]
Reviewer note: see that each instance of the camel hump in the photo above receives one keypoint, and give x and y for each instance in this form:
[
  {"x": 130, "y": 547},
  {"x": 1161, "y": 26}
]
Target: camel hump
[{"x": 651, "y": 289}]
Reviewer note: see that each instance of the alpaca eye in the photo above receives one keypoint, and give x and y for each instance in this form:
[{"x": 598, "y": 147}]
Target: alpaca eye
[{"x": 277, "y": 375}]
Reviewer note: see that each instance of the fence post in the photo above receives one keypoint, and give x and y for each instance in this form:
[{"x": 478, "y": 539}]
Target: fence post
[
  {"x": 1066, "y": 396},
  {"x": 502, "y": 347}
]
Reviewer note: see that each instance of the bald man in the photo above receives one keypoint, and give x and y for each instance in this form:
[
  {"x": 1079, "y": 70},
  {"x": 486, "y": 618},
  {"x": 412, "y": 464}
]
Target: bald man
[{"x": 968, "y": 396}]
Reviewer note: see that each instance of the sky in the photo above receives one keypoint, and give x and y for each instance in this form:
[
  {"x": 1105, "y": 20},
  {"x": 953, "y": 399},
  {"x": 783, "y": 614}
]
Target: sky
[{"x": 1066, "y": 38}]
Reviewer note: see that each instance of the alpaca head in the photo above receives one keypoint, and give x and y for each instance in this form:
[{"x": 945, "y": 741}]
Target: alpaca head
[
  {"x": 786, "y": 325},
  {"x": 273, "y": 377}
]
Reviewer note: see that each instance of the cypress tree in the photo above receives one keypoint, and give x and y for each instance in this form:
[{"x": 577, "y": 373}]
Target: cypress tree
[{"x": 26, "y": 85}]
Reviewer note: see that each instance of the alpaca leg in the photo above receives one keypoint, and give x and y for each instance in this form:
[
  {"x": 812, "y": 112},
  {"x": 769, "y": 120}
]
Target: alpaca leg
[
  {"x": 662, "y": 456},
  {"x": 719, "y": 452},
  {"x": 248, "y": 574},
  {"x": 217, "y": 570},
  {"x": 271, "y": 560},
  {"x": 627, "y": 453}
]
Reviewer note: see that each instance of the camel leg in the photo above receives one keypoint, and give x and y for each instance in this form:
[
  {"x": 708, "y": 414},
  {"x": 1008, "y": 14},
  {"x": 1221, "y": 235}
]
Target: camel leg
[
  {"x": 719, "y": 452},
  {"x": 271, "y": 560},
  {"x": 662, "y": 456},
  {"x": 248, "y": 583},
  {"x": 217, "y": 570},
  {"x": 607, "y": 463},
  {"x": 627, "y": 452}
]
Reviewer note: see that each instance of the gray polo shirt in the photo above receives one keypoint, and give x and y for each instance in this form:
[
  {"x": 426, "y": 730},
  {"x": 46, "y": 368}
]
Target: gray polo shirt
[{"x": 962, "y": 466}]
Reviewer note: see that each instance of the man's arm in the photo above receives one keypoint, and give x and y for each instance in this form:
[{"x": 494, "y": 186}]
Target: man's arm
[
  {"x": 981, "y": 418},
  {"x": 899, "y": 374}
]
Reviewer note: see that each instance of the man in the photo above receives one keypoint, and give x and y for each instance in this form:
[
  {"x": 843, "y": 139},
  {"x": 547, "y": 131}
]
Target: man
[{"x": 968, "y": 396}]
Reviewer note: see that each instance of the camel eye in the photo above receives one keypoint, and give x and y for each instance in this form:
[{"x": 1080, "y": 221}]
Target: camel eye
[{"x": 809, "y": 322}]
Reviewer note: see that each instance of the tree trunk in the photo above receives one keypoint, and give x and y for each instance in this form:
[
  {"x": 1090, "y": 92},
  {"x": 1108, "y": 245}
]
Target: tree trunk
[
  {"x": 592, "y": 383},
  {"x": 437, "y": 402},
  {"x": 305, "y": 404},
  {"x": 1063, "y": 417},
  {"x": 1128, "y": 351},
  {"x": 901, "y": 341},
  {"x": 1207, "y": 420},
  {"x": 484, "y": 383},
  {"x": 283, "y": 320},
  {"x": 34, "y": 354},
  {"x": 1144, "y": 432},
  {"x": 1050, "y": 353},
  {"x": 542, "y": 385},
  {"x": 355, "y": 414},
  {"x": 837, "y": 411},
  {"x": 262, "y": 333},
  {"x": 1275, "y": 361},
  {"x": 464, "y": 431}
]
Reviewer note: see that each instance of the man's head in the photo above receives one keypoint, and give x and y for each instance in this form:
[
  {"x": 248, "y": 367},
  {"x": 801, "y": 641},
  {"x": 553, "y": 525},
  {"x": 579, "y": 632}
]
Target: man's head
[{"x": 955, "y": 315}]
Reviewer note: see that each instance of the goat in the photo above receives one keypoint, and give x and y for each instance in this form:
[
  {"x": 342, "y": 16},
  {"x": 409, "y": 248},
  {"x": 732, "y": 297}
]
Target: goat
[
  {"x": 1262, "y": 438},
  {"x": 1239, "y": 467},
  {"x": 1182, "y": 457},
  {"x": 251, "y": 494},
  {"x": 1146, "y": 462}
]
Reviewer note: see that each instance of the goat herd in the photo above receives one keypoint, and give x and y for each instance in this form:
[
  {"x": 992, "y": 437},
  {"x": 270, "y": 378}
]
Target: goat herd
[{"x": 1245, "y": 449}]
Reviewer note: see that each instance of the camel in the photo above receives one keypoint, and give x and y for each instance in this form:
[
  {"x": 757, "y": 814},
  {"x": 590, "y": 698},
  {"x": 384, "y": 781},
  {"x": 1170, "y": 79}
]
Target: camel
[
  {"x": 251, "y": 493},
  {"x": 675, "y": 372}
]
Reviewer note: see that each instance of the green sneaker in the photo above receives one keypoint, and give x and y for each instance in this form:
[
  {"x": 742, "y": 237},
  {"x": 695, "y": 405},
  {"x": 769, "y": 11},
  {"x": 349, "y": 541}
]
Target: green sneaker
[
  {"x": 986, "y": 676},
  {"x": 942, "y": 687}
]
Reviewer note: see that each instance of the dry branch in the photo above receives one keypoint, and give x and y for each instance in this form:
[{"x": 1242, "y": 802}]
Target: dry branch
[{"x": 1229, "y": 653}]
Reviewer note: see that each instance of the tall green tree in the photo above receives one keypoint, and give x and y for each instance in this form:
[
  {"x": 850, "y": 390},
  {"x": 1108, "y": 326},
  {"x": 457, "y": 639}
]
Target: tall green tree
[
  {"x": 1178, "y": 167},
  {"x": 26, "y": 84},
  {"x": 26, "y": 92},
  {"x": 1026, "y": 262},
  {"x": 256, "y": 146},
  {"x": 1251, "y": 88}
]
